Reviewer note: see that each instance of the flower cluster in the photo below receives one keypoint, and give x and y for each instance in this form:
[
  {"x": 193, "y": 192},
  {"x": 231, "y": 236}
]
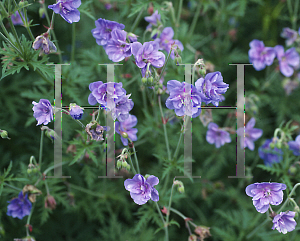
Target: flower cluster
[
  {"x": 67, "y": 9},
  {"x": 251, "y": 134},
  {"x": 142, "y": 189},
  {"x": 113, "y": 97},
  {"x": 260, "y": 56},
  {"x": 268, "y": 154},
  {"x": 266, "y": 193}
]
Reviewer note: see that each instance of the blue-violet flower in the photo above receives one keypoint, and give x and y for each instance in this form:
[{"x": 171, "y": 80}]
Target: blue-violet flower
[
  {"x": 75, "y": 111},
  {"x": 127, "y": 127},
  {"x": 43, "y": 111},
  {"x": 67, "y": 9},
  {"x": 295, "y": 146},
  {"x": 290, "y": 35},
  {"x": 19, "y": 207},
  {"x": 216, "y": 135},
  {"x": 43, "y": 43},
  {"x": 268, "y": 154},
  {"x": 142, "y": 189},
  {"x": 284, "y": 222}
]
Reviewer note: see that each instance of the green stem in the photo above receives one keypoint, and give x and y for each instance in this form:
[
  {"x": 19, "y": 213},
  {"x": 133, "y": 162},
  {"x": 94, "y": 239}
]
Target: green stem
[
  {"x": 164, "y": 67},
  {"x": 144, "y": 99},
  {"x": 178, "y": 146},
  {"x": 165, "y": 128},
  {"x": 135, "y": 157},
  {"x": 73, "y": 43},
  {"x": 195, "y": 19},
  {"x": 12, "y": 45},
  {"x": 41, "y": 149},
  {"x": 86, "y": 191},
  {"x": 78, "y": 121},
  {"x": 98, "y": 116},
  {"x": 15, "y": 35},
  {"x": 257, "y": 228},
  {"x": 13, "y": 187},
  {"x": 178, "y": 18},
  {"x": 47, "y": 188},
  {"x": 170, "y": 202},
  {"x": 134, "y": 171},
  {"x": 182, "y": 216},
  {"x": 54, "y": 166},
  {"x": 137, "y": 20},
  {"x": 28, "y": 220},
  {"x": 288, "y": 198},
  {"x": 164, "y": 222}
]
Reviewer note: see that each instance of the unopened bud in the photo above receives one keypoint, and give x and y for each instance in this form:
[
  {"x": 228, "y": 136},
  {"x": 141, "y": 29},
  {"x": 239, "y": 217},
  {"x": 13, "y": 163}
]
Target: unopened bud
[
  {"x": 124, "y": 134},
  {"x": 22, "y": 3},
  {"x": 147, "y": 175},
  {"x": 4, "y": 134},
  {"x": 279, "y": 145},
  {"x": 178, "y": 60},
  {"x": 202, "y": 71},
  {"x": 119, "y": 164},
  {"x": 150, "y": 80},
  {"x": 124, "y": 164},
  {"x": 180, "y": 187},
  {"x": 192, "y": 237},
  {"x": 42, "y": 12},
  {"x": 272, "y": 145},
  {"x": 292, "y": 170},
  {"x": 144, "y": 80}
]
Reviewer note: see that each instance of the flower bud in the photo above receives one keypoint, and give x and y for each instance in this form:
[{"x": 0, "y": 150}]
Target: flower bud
[
  {"x": 42, "y": 12},
  {"x": 150, "y": 80},
  {"x": 147, "y": 175},
  {"x": 4, "y": 134},
  {"x": 192, "y": 237},
  {"x": 296, "y": 209},
  {"x": 272, "y": 145},
  {"x": 144, "y": 80},
  {"x": 29, "y": 171},
  {"x": 180, "y": 187},
  {"x": 202, "y": 71},
  {"x": 279, "y": 145},
  {"x": 124, "y": 134},
  {"x": 202, "y": 231},
  {"x": 124, "y": 164},
  {"x": 292, "y": 170},
  {"x": 50, "y": 202},
  {"x": 22, "y": 3},
  {"x": 119, "y": 164},
  {"x": 178, "y": 60}
]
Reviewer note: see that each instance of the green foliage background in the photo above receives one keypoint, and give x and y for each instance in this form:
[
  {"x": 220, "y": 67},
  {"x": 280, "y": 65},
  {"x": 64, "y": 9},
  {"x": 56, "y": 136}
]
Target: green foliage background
[{"x": 89, "y": 208}]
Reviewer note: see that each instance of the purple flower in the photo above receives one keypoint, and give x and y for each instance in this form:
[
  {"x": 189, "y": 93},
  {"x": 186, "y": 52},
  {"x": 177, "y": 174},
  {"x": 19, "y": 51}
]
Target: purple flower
[
  {"x": 75, "y": 111},
  {"x": 147, "y": 55},
  {"x": 122, "y": 107},
  {"x": 67, "y": 9},
  {"x": 166, "y": 41},
  {"x": 117, "y": 48},
  {"x": 212, "y": 87},
  {"x": 127, "y": 127},
  {"x": 295, "y": 146},
  {"x": 154, "y": 19},
  {"x": 43, "y": 111},
  {"x": 251, "y": 134},
  {"x": 284, "y": 222},
  {"x": 216, "y": 135},
  {"x": 259, "y": 55},
  {"x": 268, "y": 154},
  {"x": 132, "y": 37},
  {"x": 96, "y": 131},
  {"x": 290, "y": 34},
  {"x": 178, "y": 94},
  {"x": 102, "y": 32},
  {"x": 43, "y": 43},
  {"x": 16, "y": 18},
  {"x": 141, "y": 189},
  {"x": 287, "y": 60},
  {"x": 265, "y": 193},
  {"x": 19, "y": 207}
]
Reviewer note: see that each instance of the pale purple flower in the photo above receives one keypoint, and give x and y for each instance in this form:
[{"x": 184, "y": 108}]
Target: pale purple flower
[
  {"x": 265, "y": 193},
  {"x": 43, "y": 111},
  {"x": 154, "y": 19},
  {"x": 216, "y": 135},
  {"x": 287, "y": 60},
  {"x": 19, "y": 207},
  {"x": 166, "y": 41},
  {"x": 117, "y": 48},
  {"x": 43, "y": 43},
  {"x": 95, "y": 131},
  {"x": 75, "y": 111},
  {"x": 290, "y": 85},
  {"x": 67, "y": 9},
  {"x": 127, "y": 127},
  {"x": 259, "y": 55},
  {"x": 178, "y": 94},
  {"x": 290, "y": 35},
  {"x": 142, "y": 189},
  {"x": 122, "y": 107},
  {"x": 132, "y": 37},
  {"x": 212, "y": 87},
  {"x": 102, "y": 32},
  {"x": 268, "y": 154},
  {"x": 147, "y": 55},
  {"x": 295, "y": 146},
  {"x": 16, "y": 18},
  {"x": 284, "y": 222},
  {"x": 251, "y": 134}
]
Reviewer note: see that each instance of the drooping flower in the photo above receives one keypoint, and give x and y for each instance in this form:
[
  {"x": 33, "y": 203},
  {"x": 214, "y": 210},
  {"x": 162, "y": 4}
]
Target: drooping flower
[
  {"x": 43, "y": 111},
  {"x": 265, "y": 193},
  {"x": 216, "y": 135},
  {"x": 212, "y": 87},
  {"x": 178, "y": 95},
  {"x": 166, "y": 41},
  {"x": 290, "y": 35},
  {"x": 259, "y": 55},
  {"x": 251, "y": 134},
  {"x": 295, "y": 146},
  {"x": 67, "y": 9},
  {"x": 75, "y": 111},
  {"x": 287, "y": 60},
  {"x": 50, "y": 202},
  {"x": 16, "y": 18},
  {"x": 95, "y": 131},
  {"x": 103, "y": 30},
  {"x": 284, "y": 222},
  {"x": 43, "y": 43},
  {"x": 127, "y": 127},
  {"x": 268, "y": 154},
  {"x": 154, "y": 19},
  {"x": 117, "y": 48},
  {"x": 19, "y": 207},
  {"x": 142, "y": 189},
  {"x": 147, "y": 55}
]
